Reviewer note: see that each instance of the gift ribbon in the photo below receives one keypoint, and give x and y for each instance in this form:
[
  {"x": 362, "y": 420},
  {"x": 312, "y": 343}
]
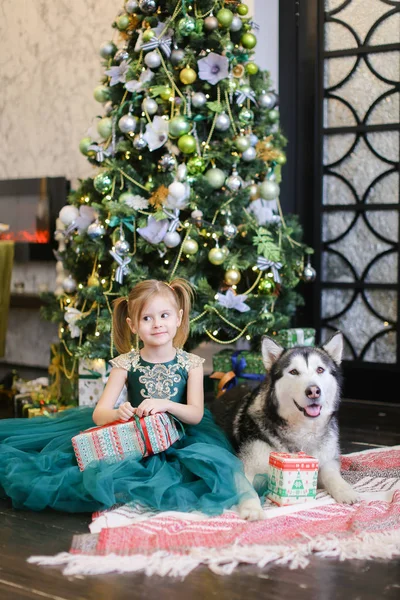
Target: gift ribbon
[
  {"x": 127, "y": 221},
  {"x": 263, "y": 264},
  {"x": 229, "y": 380},
  {"x": 122, "y": 268},
  {"x": 92, "y": 374}
]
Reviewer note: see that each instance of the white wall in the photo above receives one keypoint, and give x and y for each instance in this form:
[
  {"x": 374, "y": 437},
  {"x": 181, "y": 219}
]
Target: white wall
[{"x": 266, "y": 14}]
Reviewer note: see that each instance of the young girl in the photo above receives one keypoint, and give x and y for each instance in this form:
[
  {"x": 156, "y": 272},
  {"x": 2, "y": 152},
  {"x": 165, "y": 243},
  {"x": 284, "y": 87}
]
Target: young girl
[{"x": 200, "y": 472}]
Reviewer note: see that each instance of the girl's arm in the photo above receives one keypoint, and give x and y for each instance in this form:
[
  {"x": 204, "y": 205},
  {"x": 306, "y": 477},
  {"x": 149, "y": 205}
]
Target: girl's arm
[
  {"x": 105, "y": 412},
  {"x": 190, "y": 413}
]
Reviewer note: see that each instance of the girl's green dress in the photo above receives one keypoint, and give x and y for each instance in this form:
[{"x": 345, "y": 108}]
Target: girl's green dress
[{"x": 38, "y": 468}]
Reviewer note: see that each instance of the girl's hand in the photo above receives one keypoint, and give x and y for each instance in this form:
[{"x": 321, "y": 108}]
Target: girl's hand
[
  {"x": 151, "y": 406},
  {"x": 125, "y": 411}
]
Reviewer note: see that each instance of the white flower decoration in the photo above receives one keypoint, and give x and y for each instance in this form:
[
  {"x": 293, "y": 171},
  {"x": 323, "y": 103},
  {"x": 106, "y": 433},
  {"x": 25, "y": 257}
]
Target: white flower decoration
[
  {"x": 71, "y": 316},
  {"x": 263, "y": 210},
  {"x": 156, "y": 133},
  {"x": 137, "y": 85},
  {"x": 213, "y": 68},
  {"x": 230, "y": 300},
  {"x": 136, "y": 202}
]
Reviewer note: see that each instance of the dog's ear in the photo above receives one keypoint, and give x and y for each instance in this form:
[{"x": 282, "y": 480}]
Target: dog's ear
[
  {"x": 334, "y": 347},
  {"x": 270, "y": 351}
]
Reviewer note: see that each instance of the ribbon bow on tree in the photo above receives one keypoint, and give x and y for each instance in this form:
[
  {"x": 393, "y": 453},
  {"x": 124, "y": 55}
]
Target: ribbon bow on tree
[
  {"x": 163, "y": 44},
  {"x": 175, "y": 222},
  {"x": 243, "y": 94},
  {"x": 264, "y": 263},
  {"x": 127, "y": 221},
  {"x": 122, "y": 269}
]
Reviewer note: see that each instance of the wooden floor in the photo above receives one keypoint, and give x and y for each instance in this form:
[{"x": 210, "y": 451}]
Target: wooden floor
[{"x": 22, "y": 534}]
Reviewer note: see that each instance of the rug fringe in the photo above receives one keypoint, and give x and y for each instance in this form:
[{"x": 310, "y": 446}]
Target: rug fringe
[{"x": 223, "y": 561}]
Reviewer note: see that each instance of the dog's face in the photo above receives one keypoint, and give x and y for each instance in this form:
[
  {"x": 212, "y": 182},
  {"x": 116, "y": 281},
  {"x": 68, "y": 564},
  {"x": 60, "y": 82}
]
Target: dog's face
[{"x": 305, "y": 381}]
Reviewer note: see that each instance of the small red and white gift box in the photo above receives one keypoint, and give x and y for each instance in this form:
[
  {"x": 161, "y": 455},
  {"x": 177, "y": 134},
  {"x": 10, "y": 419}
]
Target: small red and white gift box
[
  {"x": 292, "y": 478},
  {"x": 135, "y": 438}
]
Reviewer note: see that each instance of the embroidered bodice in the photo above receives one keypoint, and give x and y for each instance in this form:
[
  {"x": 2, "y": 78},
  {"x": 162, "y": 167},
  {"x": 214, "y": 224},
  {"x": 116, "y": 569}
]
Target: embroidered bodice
[{"x": 156, "y": 380}]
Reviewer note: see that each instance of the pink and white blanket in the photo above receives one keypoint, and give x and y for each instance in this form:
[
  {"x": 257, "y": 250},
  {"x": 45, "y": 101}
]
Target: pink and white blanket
[{"x": 129, "y": 538}]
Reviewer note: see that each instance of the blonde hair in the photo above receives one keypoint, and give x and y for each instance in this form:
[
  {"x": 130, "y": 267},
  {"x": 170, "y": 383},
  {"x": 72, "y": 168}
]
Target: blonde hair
[{"x": 178, "y": 290}]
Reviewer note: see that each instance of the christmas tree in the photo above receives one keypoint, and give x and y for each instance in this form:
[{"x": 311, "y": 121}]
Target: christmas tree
[{"x": 186, "y": 173}]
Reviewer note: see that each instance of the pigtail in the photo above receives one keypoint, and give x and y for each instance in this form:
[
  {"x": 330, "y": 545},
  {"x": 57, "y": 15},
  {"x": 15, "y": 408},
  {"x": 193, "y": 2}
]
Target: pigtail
[
  {"x": 184, "y": 295},
  {"x": 121, "y": 332}
]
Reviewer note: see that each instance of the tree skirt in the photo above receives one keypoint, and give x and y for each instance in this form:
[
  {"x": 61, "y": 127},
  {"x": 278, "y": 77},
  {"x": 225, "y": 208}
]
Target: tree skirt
[{"x": 127, "y": 538}]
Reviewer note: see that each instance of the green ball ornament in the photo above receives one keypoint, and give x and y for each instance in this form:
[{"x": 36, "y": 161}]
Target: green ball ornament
[
  {"x": 84, "y": 145},
  {"x": 273, "y": 115},
  {"x": 190, "y": 246},
  {"x": 195, "y": 165},
  {"x": 166, "y": 93},
  {"x": 248, "y": 40},
  {"x": 186, "y": 26},
  {"x": 251, "y": 68},
  {"x": 215, "y": 177},
  {"x": 268, "y": 319},
  {"x": 281, "y": 159},
  {"x": 242, "y": 143},
  {"x": 246, "y": 116},
  {"x": 148, "y": 35},
  {"x": 266, "y": 287},
  {"x": 225, "y": 17},
  {"x": 242, "y": 10},
  {"x": 229, "y": 46},
  {"x": 101, "y": 93},
  {"x": 269, "y": 190},
  {"x": 178, "y": 126},
  {"x": 123, "y": 22},
  {"x": 216, "y": 256},
  {"x": 104, "y": 127},
  {"x": 102, "y": 183},
  {"x": 187, "y": 144}
]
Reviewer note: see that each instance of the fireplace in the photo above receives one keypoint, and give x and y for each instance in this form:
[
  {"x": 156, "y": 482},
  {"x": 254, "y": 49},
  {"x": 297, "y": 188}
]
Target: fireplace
[{"x": 30, "y": 207}]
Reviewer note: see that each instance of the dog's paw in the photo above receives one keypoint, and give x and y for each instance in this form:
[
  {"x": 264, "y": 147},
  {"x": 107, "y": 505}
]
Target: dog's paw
[
  {"x": 344, "y": 494},
  {"x": 251, "y": 510}
]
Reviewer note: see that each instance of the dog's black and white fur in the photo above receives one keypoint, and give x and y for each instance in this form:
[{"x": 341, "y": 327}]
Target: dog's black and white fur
[{"x": 293, "y": 410}]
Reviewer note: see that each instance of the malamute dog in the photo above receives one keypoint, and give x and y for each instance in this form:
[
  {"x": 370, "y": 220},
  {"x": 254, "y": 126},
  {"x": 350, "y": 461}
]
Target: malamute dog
[{"x": 293, "y": 409}]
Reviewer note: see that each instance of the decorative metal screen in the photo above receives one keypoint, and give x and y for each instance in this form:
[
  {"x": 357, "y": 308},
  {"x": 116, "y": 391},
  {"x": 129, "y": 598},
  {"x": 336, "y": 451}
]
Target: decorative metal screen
[{"x": 360, "y": 191}]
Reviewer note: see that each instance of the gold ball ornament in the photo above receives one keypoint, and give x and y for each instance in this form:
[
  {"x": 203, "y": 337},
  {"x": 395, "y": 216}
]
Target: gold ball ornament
[
  {"x": 187, "y": 76},
  {"x": 93, "y": 281},
  {"x": 216, "y": 256},
  {"x": 238, "y": 71},
  {"x": 232, "y": 277},
  {"x": 190, "y": 246}
]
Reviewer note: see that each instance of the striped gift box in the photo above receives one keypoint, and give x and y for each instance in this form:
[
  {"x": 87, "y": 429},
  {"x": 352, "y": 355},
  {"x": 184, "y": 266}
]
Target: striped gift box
[{"x": 135, "y": 438}]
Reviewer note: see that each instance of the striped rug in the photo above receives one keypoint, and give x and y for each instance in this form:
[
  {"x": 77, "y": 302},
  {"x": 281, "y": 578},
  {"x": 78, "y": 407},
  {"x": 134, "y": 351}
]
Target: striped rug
[{"x": 128, "y": 538}]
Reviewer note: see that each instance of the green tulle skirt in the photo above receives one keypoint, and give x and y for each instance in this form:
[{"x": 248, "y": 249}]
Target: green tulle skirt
[{"x": 38, "y": 469}]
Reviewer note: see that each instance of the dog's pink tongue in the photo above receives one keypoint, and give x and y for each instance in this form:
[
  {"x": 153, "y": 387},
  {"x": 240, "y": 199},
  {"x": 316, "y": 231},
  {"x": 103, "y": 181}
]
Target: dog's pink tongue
[{"x": 313, "y": 410}]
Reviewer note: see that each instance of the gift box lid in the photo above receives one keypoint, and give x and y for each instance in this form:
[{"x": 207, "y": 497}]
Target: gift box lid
[{"x": 299, "y": 460}]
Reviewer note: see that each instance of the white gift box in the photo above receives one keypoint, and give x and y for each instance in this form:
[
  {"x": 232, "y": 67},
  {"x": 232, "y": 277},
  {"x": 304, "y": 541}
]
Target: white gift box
[
  {"x": 93, "y": 376},
  {"x": 292, "y": 478}
]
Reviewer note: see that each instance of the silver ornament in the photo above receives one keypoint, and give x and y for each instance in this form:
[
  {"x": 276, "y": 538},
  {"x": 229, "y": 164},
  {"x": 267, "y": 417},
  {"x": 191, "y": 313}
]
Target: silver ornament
[
  {"x": 96, "y": 230},
  {"x": 148, "y": 6},
  {"x": 127, "y": 123},
  {"x": 197, "y": 216},
  {"x": 267, "y": 100},
  {"x": 131, "y": 6},
  {"x": 249, "y": 154},
  {"x": 230, "y": 230},
  {"x": 177, "y": 56},
  {"x": 150, "y": 106},
  {"x": 121, "y": 247},
  {"x": 172, "y": 239},
  {"x": 236, "y": 24},
  {"x": 253, "y": 139},
  {"x": 222, "y": 122},
  {"x": 121, "y": 55},
  {"x": 233, "y": 182},
  {"x": 211, "y": 23},
  {"x": 107, "y": 49},
  {"x": 139, "y": 142},
  {"x": 199, "y": 100},
  {"x": 309, "y": 273},
  {"x": 69, "y": 284},
  {"x": 167, "y": 162},
  {"x": 152, "y": 60}
]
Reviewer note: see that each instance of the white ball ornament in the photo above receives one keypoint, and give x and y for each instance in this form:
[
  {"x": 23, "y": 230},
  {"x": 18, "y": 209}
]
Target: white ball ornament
[
  {"x": 249, "y": 154},
  {"x": 68, "y": 214},
  {"x": 150, "y": 106},
  {"x": 236, "y": 24},
  {"x": 69, "y": 284},
  {"x": 269, "y": 190},
  {"x": 199, "y": 100},
  {"x": 222, "y": 122},
  {"x": 127, "y": 123},
  {"x": 190, "y": 246},
  {"x": 172, "y": 239},
  {"x": 152, "y": 60}
]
